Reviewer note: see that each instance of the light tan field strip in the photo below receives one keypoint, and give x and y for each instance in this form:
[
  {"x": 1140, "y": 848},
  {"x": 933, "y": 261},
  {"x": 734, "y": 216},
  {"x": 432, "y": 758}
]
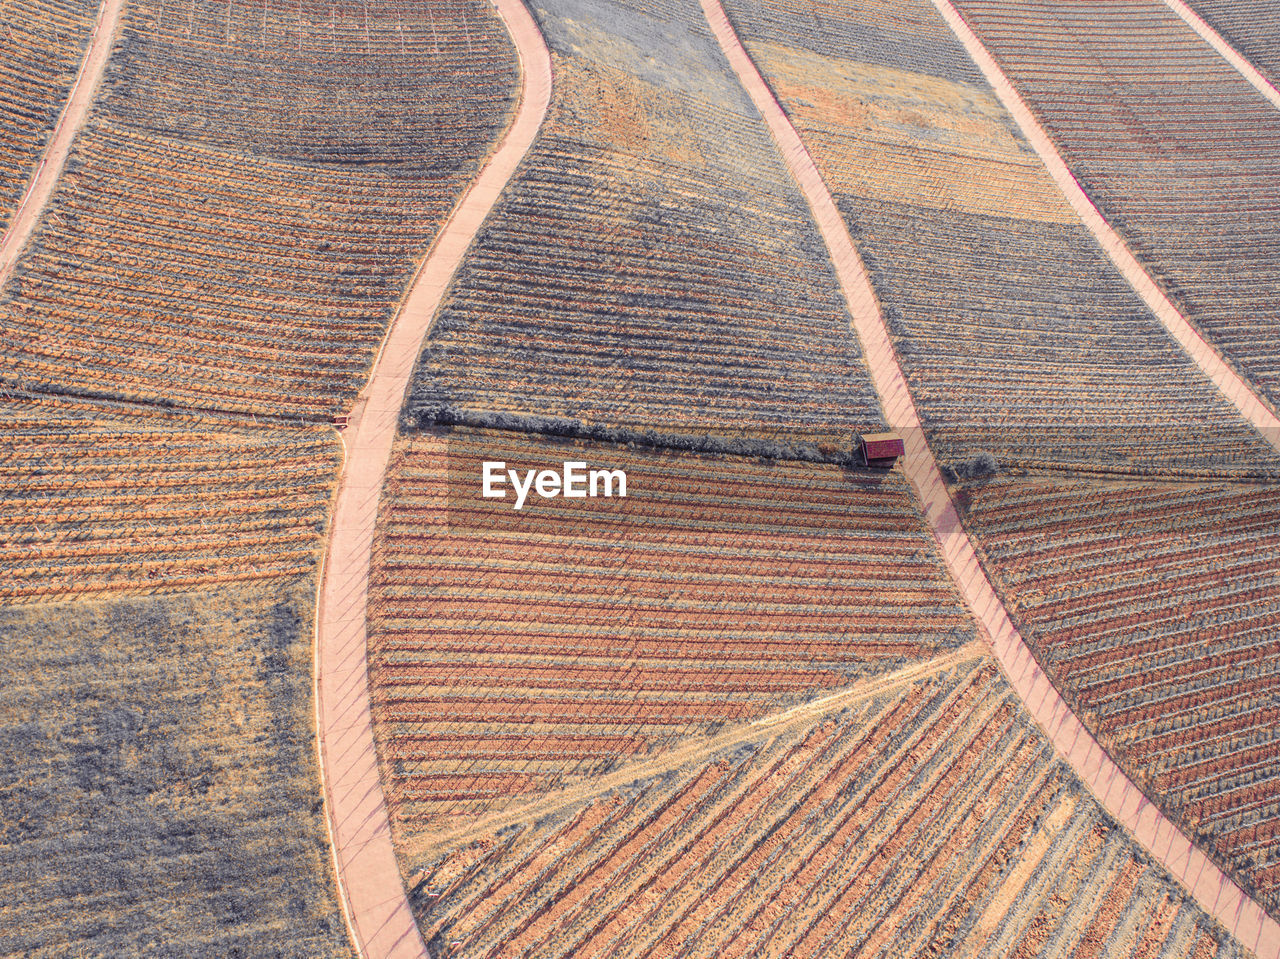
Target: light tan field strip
[
  {"x": 1226, "y": 51},
  {"x": 45, "y": 179},
  {"x": 369, "y": 883},
  {"x": 699, "y": 750},
  {"x": 1219, "y": 896}
]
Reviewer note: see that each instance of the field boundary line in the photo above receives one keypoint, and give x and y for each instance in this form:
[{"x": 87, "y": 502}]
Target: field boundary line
[
  {"x": 368, "y": 874},
  {"x": 1226, "y": 51},
  {"x": 693, "y": 749},
  {"x": 54, "y": 158},
  {"x": 1207, "y": 884},
  {"x": 1247, "y": 401}
]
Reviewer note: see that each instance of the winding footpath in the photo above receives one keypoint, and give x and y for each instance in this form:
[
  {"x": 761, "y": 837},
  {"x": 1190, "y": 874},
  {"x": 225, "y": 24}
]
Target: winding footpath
[
  {"x": 74, "y": 113},
  {"x": 372, "y": 892},
  {"x": 1210, "y": 887}
]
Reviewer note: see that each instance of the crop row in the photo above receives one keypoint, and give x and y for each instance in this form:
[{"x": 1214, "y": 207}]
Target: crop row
[
  {"x": 1252, "y": 30},
  {"x": 261, "y": 280},
  {"x": 1173, "y": 145},
  {"x": 383, "y": 83},
  {"x": 103, "y": 501},
  {"x": 1155, "y": 610},
  {"x": 652, "y": 263},
  {"x": 716, "y": 591},
  {"x": 930, "y": 819},
  {"x": 41, "y": 42},
  {"x": 1016, "y": 334}
]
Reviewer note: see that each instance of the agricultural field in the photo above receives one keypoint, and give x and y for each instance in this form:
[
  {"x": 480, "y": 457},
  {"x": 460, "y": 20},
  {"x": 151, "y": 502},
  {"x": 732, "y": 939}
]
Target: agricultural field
[
  {"x": 157, "y": 581},
  {"x": 145, "y": 814},
  {"x": 652, "y": 263},
  {"x": 512, "y": 654},
  {"x": 920, "y": 817},
  {"x": 1016, "y": 335},
  {"x": 1154, "y": 606},
  {"x": 285, "y": 207},
  {"x": 742, "y": 710},
  {"x": 1253, "y": 30},
  {"x": 1030, "y": 358},
  {"x": 1175, "y": 148},
  {"x": 236, "y": 225},
  {"x": 40, "y": 48},
  {"x": 101, "y": 500}
]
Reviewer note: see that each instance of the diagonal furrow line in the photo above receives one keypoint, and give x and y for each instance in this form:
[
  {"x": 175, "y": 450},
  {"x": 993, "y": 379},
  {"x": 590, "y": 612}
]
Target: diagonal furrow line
[
  {"x": 1226, "y": 51},
  {"x": 1234, "y": 387},
  {"x": 678, "y": 756}
]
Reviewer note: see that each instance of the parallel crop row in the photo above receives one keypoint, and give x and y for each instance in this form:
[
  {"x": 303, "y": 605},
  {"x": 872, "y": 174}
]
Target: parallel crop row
[
  {"x": 652, "y": 263},
  {"x": 1155, "y": 608},
  {"x": 1019, "y": 339},
  {"x": 380, "y": 83},
  {"x": 41, "y": 42},
  {"x": 1252, "y": 29},
  {"x": 931, "y": 820},
  {"x": 515, "y": 652},
  {"x": 1173, "y": 145},
  {"x": 97, "y": 501},
  {"x": 234, "y": 232}
]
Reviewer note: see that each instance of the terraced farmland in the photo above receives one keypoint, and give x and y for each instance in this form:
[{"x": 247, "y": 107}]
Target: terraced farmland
[
  {"x": 40, "y": 49},
  {"x": 1252, "y": 29},
  {"x": 1176, "y": 149},
  {"x": 651, "y": 264},
  {"x": 1154, "y": 607},
  {"x": 515, "y": 653},
  {"x": 101, "y": 501},
  {"x": 235, "y": 230},
  {"x": 925, "y": 819},
  {"x": 159, "y": 778}
]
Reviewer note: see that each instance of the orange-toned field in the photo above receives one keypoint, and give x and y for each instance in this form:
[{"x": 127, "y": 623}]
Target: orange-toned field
[
  {"x": 515, "y": 653},
  {"x": 926, "y": 819},
  {"x": 741, "y": 711}
]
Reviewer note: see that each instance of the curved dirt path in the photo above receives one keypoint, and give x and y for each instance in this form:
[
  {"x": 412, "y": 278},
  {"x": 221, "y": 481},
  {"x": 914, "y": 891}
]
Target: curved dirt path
[
  {"x": 369, "y": 884},
  {"x": 1219, "y": 896},
  {"x": 72, "y": 118},
  {"x": 1225, "y": 50}
]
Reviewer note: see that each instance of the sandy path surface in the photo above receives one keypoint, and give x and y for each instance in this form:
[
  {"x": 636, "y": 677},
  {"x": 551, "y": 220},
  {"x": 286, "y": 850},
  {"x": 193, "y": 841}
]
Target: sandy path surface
[
  {"x": 1215, "y": 892},
  {"x": 372, "y": 892},
  {"x": 698, "y": 749},
  {"x": 1226, "y": 51},
  {"x": 72, "y": 118}
]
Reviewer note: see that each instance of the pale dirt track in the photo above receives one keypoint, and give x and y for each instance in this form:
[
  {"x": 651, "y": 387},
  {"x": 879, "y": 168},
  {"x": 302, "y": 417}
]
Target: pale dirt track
[
  {"x": 699, "y": 750},
  {"x": 45, "y": 179},
  {"x": 1215, "y": 892},
  {"x": 370, "y": 887}
]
